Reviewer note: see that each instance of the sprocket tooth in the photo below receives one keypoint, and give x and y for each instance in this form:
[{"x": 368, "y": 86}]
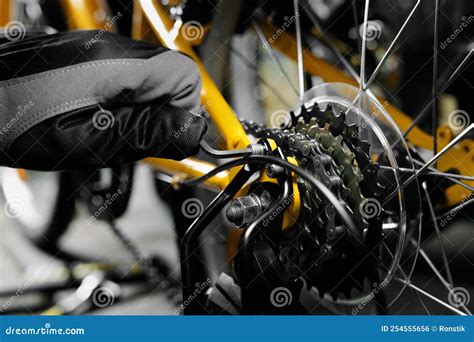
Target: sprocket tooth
[
  {"x": 305, "y": 114},
  {"x": 318, "y": 114},
  {"x": 353, "y": 132},
  {"x": 346, "y": 294},
  {"x": 294, "y": 118},
  {"x": 364, "y": 146},
  {"x": 338, "y": 124},
  {"x": 358, "y": 287},
  {"x": 328, "y": 130},
  {"x": 331, "y": 295},
  {"x": 342, "y": 115}
]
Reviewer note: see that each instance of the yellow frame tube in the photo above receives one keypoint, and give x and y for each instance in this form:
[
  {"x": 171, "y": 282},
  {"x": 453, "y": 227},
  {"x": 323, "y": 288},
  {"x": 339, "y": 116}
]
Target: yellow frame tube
[
  {"x": 221, "y": 113},
  {"x": 286, "y": 43},
  {"x": 80, "y": 14},
  {"x": 5, "y": 12},
  {"x": 149, "y": 13},
  {"x": 190, "y": 167}
]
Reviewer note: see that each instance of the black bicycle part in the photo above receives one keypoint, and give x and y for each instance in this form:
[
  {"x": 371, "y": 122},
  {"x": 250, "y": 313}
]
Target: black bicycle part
[{"x": 189, "y": 243}]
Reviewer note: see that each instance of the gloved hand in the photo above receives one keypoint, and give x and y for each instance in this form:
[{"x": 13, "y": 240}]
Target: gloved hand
[{"x": 95, "y": 99}]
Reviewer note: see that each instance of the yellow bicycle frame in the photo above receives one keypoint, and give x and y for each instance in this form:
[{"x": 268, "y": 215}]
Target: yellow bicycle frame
[
  {"x": 150, "y": 14},
  {"x": 151, "y": 21},
  {"x": 5, "y": 12}
]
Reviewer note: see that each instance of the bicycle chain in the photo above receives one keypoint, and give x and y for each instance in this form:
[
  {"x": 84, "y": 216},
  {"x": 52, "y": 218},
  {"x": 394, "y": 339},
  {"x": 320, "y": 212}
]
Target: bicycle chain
[
  {"x": 340, "y": 159},
  {"x": 172, "y": 290}
]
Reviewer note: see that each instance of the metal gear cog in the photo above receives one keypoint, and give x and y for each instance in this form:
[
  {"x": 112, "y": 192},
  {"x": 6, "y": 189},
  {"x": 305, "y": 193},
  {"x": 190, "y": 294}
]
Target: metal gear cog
[{"x": 318, "y": 248}]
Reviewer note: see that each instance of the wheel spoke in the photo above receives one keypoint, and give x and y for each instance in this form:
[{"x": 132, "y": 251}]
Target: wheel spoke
[
  {"x": 402, "y": 272},
  {"x": 432, "y": 161},
  {"x": 249, "y": 64},
  {"x": 349, "y": 68},
  {"x": 390, "y": 49},
  {"x": 438, "y": 234},
  {"x": 356, "y": 23},
  {"x": 299, "y": 48},
  {"x": 450, "y": 80},
  {"x": 429, "y": 295},
  {"x": 364, "y": 46},
  {"x": 432, "y": 172},
  {"x": 273, "y": 55},
  {"x": 435, "y": 270},
  {"x": 456, "y": 209},
  {"x": 434, "y": 108}
]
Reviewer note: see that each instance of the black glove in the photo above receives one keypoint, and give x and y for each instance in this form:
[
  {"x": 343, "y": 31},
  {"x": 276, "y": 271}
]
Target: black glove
[{"x": 95, "y": 99}]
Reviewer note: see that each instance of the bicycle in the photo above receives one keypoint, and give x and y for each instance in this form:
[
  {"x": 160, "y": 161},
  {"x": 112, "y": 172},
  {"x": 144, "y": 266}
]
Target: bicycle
[{"x": 341, "y": 143}]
